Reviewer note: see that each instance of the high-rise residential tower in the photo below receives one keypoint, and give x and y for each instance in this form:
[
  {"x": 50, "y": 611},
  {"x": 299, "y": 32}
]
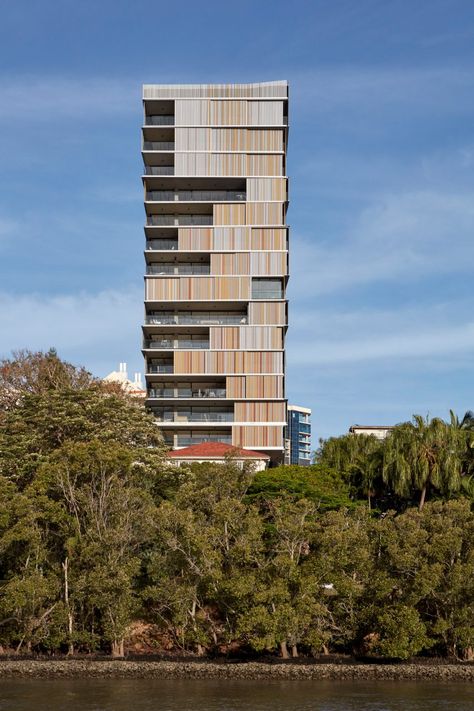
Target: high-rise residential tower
[
  {"x": 299, "y": 435},
  {"x": 216, "y": 197}
]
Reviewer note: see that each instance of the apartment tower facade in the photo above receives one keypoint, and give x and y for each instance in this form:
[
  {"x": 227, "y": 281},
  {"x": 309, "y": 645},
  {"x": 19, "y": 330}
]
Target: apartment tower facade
[{"x": 216, "y": 197}]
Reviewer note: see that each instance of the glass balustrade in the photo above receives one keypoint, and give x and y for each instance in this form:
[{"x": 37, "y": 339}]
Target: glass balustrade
[
  {"x": 199, "y": 393},
  {"x": 183, "y": 268},
  {"x": 159, "y": 170},
  {"x": 190, "y": 415},
  {"x": 196, "y": 319},
  {"x": 172, "y": 344},
  {"x": 160, "y": 368},
  {"x": 195, "y": 195},
  {"x": 157, "y": 220},
  {"x": 159, "y": 120},
  {"x": 158, "y": 145},
  {"x": 185, "y": 440},
  {"x": 162, "y": 245}
]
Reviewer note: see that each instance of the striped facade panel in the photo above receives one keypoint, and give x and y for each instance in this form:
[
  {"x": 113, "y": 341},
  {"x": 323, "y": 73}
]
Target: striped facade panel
[
  {"x": 263, "y": 113},
  {"x": 228, "y": 113},
  {"x": 243, "y": 139},
  {"x": 228, "y": 362},
  {"x": 190, "y": 164},
  {"x": 228, "y": 164},
  {"x": 259, "y": 412},
  {"x": 268, "y": 264},
  {"x": 266, "y": 238},
  {"x": 263, "y": 386},
  {"x": 266, "y": 189},
  {"x": 191, "y": 112},
  {"x": 232, "y": 238},
  {"x": 267, "y": 312},
  {"x": 197, "y": 289},
  {"x": 229, "y": 214},
  {"x": 231, "y": 264},
  {"x": 235, "y": 385},
  {"x": 224, "y": 337},
  {"x": 261, "y": 337},
  {"x": 264, "y": 165},
  {"x": 259, "y": 139},
  {"x": 260, "y": 89},
  {"x": 265, "y": 213},
  {"x": 254, "y": 386},
  {"x": 259, "y": 436},
  {"x": 192, "y": 139},
  {"x": 195, "y": 239}
]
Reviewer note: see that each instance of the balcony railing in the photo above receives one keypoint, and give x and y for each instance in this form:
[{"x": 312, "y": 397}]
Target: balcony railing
[
  {"x": 196, "y": 195},
  {"x": 187, "y": 393},
  {"x": 171, "y": 344},
  {"x": 157, "y": 220},
  {"x": 162, "y": 244},
  {"x": 159, "y": 120},
  {"x": 186, "y": 440},
  {"x": 183, "y": 268},
  {"x": 273, "y": 294},
  {"x": 159, "y": 170},
  {"x": 189, "y": 320},
  {"x": 180, "y": 416},
  {"x": 158, "y": 145},
  {"x": 160, "y": 368}
]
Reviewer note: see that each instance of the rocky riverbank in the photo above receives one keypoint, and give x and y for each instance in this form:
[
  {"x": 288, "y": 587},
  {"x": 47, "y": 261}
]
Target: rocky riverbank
[{"x": 124, "y": 669}]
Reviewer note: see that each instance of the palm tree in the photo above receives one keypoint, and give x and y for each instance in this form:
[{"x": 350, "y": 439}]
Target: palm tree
[
  {"x": 425, "y": 454},
  {"x": 467, "y": 422}
]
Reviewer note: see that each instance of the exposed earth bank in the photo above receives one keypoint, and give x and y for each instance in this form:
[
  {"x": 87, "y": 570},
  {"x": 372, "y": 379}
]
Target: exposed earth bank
[{"x": 124, "y": 669}]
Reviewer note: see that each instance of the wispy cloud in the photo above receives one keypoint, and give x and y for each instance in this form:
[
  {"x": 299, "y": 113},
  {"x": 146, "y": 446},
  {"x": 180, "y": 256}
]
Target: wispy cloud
[
  {"x": 400, "y": 236},
  {"x": 431, "y": 331},
  {"x": 96, "y": 330}
]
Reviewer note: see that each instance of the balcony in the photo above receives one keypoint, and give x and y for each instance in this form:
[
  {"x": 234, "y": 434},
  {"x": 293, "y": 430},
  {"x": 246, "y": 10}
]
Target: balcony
[
  {"x": 196, "y": 196},
  {"x": 158, "y": 145},
  {"x": 158, "y": 245},
  {"x": 159, "y": 170},
  {"x": 177, "y": 220},
  {"x": 182, "y": 268},
  {"x": 177, "y": 344},
  {"x": 184, "y": 415},
  {"x": 186, "y": 440},
  {"x": 159, "y": 120},
  {"x": 184, "y": 392},
  {"x": 168, "y": 368},
  {"x": 166, "y": 318},
  {"x": 267, "y": 288}
]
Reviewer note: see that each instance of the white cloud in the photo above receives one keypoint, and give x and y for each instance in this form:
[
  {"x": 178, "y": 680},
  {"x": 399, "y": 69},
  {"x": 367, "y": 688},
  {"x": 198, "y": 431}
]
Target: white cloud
[
  {"x": 332, "y": 338},
  {"x": 95, "y": 330},
  {"x": 401, "y": 236}
]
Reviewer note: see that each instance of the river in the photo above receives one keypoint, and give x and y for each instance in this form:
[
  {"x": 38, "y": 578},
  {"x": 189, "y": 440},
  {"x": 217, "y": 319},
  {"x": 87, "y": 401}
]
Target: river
[{"x": 191, "y": 695}]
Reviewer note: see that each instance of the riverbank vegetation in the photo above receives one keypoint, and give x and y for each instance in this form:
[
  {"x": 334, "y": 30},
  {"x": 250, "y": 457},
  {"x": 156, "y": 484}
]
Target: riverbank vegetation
[{"x": 104, "y": 546}]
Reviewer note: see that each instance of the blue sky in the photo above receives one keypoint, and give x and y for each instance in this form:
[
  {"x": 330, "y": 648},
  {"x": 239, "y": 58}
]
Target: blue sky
[{"x": 381, "y": 162}]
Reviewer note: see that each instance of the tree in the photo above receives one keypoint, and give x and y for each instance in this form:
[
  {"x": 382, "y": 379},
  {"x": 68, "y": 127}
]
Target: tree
[
  {"x": 38, "y": 373},
  {"x": 424, "y": 454},
  {"x": 359, "y": 457}
]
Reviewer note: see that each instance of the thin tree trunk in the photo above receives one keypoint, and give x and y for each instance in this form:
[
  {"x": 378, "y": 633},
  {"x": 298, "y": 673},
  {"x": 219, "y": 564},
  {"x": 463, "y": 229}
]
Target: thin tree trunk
[
  {"x": 294, "y": 650},
  {"x": 284, "y": 650},
  {"x": 70, "y": 650},
  {"x": 422, "y": 498},
  {"x": 118, "y": 648}
]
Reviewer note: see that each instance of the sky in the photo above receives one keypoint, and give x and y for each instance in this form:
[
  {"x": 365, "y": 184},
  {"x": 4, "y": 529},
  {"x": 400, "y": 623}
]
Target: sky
[{"x": 381, "y": 167}]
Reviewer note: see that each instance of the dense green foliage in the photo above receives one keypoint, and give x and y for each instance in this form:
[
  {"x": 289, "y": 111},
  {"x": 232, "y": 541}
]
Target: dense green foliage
[{"x": 99, "y": 535}]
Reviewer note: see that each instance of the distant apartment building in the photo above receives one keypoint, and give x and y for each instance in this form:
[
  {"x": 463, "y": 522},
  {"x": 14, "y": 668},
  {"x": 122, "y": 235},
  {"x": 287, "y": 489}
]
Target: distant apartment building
[
  {"x": 298, "y": 435},
  {"x": 378, "y": 431},
  {"x": 216, "y": 197}
]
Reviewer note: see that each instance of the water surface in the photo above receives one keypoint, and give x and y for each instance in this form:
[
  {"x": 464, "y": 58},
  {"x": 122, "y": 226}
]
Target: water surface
[{"x": 231, "y": 695}]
